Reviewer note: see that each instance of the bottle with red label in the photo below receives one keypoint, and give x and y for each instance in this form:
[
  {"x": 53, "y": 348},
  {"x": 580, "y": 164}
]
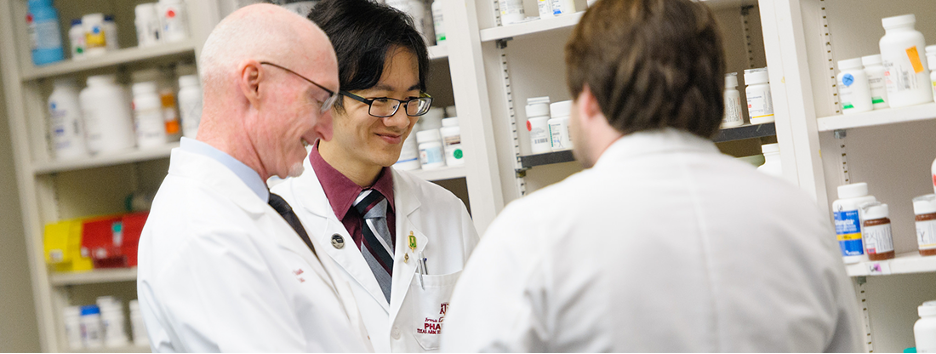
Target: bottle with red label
[{"x": 174, "y": 20}]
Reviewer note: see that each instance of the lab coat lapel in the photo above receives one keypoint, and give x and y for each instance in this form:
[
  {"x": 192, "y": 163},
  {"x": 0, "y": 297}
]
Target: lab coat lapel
[{"x": 405, "y": 258}]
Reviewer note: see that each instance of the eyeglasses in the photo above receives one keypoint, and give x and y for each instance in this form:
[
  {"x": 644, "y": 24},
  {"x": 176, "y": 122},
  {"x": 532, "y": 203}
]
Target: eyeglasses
[
  {"x": 327, "y": 104},
  {"x": 386, "y": 107}
]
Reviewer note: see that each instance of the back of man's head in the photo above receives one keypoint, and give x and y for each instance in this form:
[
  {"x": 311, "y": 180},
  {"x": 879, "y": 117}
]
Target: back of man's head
[{"x": 650, "y": 64}]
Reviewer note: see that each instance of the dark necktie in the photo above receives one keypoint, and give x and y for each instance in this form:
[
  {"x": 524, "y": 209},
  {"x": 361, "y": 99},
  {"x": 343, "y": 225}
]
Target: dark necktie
[
  {"x": 283, "y": 208},
  {"x": 378, "y": 245}
]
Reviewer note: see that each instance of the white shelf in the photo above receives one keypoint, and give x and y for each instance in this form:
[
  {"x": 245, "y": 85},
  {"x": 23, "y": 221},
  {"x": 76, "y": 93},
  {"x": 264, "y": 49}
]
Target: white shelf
[
  {"x": 124, "y": 349},
  {"x": 878, "y": 117},
  {"x": 104, "y": 160},
  {"x": 441, "y": 173},
  {"x": 529, "y": 27},
  {"x": 904, "y": 263},
  {"x": 122, "y": 56},
  {"x": 93, "y": 276},
  {"x": 438, "y": 52}
]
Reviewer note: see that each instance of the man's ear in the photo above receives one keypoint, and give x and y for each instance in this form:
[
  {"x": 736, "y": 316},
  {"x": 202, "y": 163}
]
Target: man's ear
[
  {"x": 588, "y": 108},
  {"x": 249, "y": 79}
]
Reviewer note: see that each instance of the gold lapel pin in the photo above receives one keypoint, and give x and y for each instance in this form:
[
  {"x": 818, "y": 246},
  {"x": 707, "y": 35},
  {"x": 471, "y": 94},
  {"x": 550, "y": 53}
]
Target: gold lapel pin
[
  {"x": 412, "y": 241},
  {"x": 406, "y": 258}
]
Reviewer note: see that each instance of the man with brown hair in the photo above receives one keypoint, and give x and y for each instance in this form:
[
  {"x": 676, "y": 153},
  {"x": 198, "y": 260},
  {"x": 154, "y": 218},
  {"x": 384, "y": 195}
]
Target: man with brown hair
[{"x": 662, "y": 243}]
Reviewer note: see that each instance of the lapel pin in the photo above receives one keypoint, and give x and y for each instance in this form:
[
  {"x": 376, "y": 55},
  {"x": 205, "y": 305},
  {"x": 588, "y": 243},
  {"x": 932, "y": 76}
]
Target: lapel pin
[
  {"x": 337, "y": 241},
  {"x": 412, "y": 241},
  {"x": 406, "y": 258}
]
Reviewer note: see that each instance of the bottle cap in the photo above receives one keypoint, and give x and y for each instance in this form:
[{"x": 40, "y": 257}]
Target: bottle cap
[
  {"x": 874, "y": 210},
  {"x": 755, "y": 76},
  {"x": 426, "y": 136},
  {"x": 871, "y": 60},
  {"x": 188, "y": 80},
  {"x": 71, "y": 311},
  {"x": 450, "y": 111},
  {"x": 90, "y": 310},
  {"x": 108, "y": 18},
  {"x": 145, "y": 10},
  {"x": 924, "y": 204},
  {"x": 561, "y": 109},
  {"x": 450, "y": 122},
  {"x": 537, "y": 107},
  {"x": 769, "y": 148},
  {"x": 931, "y": 60},
  {"x": 99, "y": 80},
  {"x": 76, "y": 22},
  {"x": 927, "y": 309},
  {"x": 897, "y": 21},
  {"x": 731, "y": 80},
  {"x": 853, "y": 190},
  {"x": 849, "y": 64},
  {"x": 142, "y": 88}
]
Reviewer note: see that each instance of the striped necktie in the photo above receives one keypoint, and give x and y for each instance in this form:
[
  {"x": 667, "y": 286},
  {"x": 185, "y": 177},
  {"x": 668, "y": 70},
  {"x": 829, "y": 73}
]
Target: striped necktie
[{"x": 377, "y": 247}]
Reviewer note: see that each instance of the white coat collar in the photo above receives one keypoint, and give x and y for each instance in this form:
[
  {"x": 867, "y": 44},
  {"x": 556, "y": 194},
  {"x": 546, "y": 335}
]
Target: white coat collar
[
  {"x": 217, "y": 177},
  {"x": 652, "y": 142}
]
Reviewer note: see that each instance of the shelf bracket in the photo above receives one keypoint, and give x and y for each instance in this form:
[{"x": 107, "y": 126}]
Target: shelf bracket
[
  {"x": 521, "y": 172},
  {"x": 502, "y": 43}
]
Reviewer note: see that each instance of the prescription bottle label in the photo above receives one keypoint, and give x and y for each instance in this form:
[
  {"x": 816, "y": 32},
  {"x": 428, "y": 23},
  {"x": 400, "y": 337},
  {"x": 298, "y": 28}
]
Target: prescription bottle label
[
  {"x": 759, "y": 105},
  {"x": 878, "y": 239},
  {"x": 926, "y": 234},
  {"x": 848, "y": 231}
]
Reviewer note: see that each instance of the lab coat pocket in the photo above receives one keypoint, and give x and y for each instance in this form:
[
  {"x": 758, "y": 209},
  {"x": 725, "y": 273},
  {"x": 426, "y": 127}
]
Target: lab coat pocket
[{"x": 434, "y": 294}]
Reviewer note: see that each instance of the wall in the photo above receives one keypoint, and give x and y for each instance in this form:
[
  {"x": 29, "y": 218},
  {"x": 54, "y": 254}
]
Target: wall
[{"x": 19, "y": 331}]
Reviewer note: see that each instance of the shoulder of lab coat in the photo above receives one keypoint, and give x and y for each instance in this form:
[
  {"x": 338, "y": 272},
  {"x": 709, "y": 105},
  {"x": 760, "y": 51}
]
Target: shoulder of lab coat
[{"x": 518, "y": 292}]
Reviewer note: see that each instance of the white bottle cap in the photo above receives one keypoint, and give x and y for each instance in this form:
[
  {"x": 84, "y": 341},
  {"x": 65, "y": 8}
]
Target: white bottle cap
[
  {"x": 871, "y": 60},
  {"x": 430, "y": 135},
  {"x": 874, "y": 210},
  {"x": 897, "y": 21},
  {"x": 924, "y": 204},
  {"x": 451, "y": 112},
  {"x": 142, "y": 88},
  {"x": 71, "y": 311},
  {"x": 931, "y": 60},
  {"x": 537, "y": 107},
  {"x": 755, "y": 76},
  {"x": 927, "y": 309},
  {"x": 853, "y": 190},
  {"x": 188, "y": 80},
  {"x": 849, "y": 64},
  {"x": 731, "y": 80},
  {"x": 930, "y": 49},
  {"x": 450, "y": 122},
  {"x": 100, "y": 80},
  {"x": 561, "y": 109},
  {"x": 134, "y": 305},
  {"x": 145, "y": 10},
  {"x": 769, "y": 148}
]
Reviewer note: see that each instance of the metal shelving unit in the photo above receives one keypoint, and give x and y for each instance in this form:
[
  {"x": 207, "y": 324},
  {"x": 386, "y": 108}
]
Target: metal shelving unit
[
  {"x": 878, "y": 117},
  {"x": 184, "y": 49},
  {"x": 129, "y": 156}
]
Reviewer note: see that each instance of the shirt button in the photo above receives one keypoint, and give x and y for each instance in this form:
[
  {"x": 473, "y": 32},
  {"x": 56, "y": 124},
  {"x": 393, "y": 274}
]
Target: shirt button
[{"x": 395, "y": 333}]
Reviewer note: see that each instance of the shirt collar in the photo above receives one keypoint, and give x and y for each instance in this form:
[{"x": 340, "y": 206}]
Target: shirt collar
[
  {"x": 340, "y": 190},
  {"x": 246, "y": 174},
  {"x": 654, "y": 141}
]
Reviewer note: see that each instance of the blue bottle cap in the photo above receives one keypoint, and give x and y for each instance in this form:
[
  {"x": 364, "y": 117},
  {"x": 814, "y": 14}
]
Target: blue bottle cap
[
  {"x": 109, "y": 18},
  {"x": 76, "y": 22},
  {"x": 90, "y": 310}
]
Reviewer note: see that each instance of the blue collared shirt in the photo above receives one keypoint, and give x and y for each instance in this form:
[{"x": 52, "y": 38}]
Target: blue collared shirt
[{"x": 246, "y": 174}]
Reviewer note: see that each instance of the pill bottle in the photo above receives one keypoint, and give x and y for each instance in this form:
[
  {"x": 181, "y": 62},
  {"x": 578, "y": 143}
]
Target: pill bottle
[
  {"x": 537, "y": 112},
  {"x": 65, "y": 126},
  {"x": 438, "y": 21},
  {"x": 148, "y": 29},
  {"x": 409, "y": 154},
  {"x": 92, "y": 335},
  {"x": 854, "y": 90},
  {"x": 190, "y": 104},
  {"x": 924, "y": 207},
  {"x": 138, "y": 329},
  {"x": 771, "y": 164},
  {"x": 931, "y": 63},
  {"x": 450, "y": 111},
  {"x": 760, "y": 105},
  {"x": 902, "y": 53},
  {"x": 876, "y": 231},
  {"x": 875, "y": 72},
  {"x": 113, "y": 323},
  {"x": 451, "y": 142},
  {"x": 848, "y": 220},
  {"x": 71, "y": 316},
  {"x": 431, "y": 154},
  {"x": 173, "y": 19},
  {"x": 110, "y": 33},
  {"x": 95, "y": 38},
  {"x": 108, "y": 120},
  {"x": 166, "y": 90},
  {"x": 545, "y": 8},
  {"x": 511, "y": 11},
  {"x": 924, "y": 330},
  {"x": 76, "y": 39},
  {"x": 559, "y": 137},
  {"x": 733, "y": 117},
  {"x": 563, "y": 7},
  {"x": 45, "y": 35},
  {"x": 147, "y": 116}
]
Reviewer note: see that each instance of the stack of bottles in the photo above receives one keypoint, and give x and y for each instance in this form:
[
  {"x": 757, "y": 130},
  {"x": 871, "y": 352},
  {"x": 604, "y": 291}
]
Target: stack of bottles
[
  {"x": 548, "y": 124},
  {"x": 512, "y": 12},
  {"x": 77, "y": 245},
  {"x": 100, "y": 119},
  {"x": 103, "y": 325},
  {"x": 428, "y": 19},
  {"x": 434, "y": 142}
]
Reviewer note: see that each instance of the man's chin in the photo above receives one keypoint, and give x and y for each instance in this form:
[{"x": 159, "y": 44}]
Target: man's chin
[{"x": 296, "y": 170}]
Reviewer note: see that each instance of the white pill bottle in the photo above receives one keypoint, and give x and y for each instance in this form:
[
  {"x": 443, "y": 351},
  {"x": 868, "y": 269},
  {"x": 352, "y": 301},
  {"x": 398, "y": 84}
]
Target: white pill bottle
[
  {"x": 854, "y": 90},
  {"x": 733, "y": 117},
  {"x": 902, "y": 53},
  {"x": 924, "y": 330}
]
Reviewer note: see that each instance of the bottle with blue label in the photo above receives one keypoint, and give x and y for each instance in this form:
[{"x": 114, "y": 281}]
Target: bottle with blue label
[
  {"x": 848, "y": 220},
  {"x": 45, "y": 34}
]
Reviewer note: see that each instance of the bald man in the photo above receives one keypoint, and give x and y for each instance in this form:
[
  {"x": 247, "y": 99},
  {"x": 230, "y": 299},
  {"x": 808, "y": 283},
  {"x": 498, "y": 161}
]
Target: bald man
[{"x": 225, "y": 266}]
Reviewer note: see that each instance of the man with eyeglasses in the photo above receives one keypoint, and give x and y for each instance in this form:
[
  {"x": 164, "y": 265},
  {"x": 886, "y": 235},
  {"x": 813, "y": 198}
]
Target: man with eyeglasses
[
  {"x": 224, "y": 265},
  {"x": 401, "y": 242}
]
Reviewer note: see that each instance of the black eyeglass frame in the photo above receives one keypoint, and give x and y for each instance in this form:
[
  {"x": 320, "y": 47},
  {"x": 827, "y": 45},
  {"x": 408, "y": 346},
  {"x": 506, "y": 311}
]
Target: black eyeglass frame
[
  {"x": 370, "y": 103},
  {"x": 327, "y": 104}
]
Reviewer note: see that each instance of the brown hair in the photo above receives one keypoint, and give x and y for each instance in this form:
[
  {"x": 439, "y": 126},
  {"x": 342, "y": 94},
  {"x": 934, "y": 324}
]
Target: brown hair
[{"x": 650, "y": 64}]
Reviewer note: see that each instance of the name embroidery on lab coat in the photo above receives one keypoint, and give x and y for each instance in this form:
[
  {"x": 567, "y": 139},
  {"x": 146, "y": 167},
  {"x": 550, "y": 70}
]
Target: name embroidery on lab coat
[
  {"x": 434, "y": 325},
  {"x": 298, "y": 274}
]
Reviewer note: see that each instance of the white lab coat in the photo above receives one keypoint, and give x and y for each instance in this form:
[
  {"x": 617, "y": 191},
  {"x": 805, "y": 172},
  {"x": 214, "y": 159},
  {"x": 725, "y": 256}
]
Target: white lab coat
[
  {"x": 666, "y": 245},
  {"x": 445, "y": 236},
  {"x": 220, "y": 270}
]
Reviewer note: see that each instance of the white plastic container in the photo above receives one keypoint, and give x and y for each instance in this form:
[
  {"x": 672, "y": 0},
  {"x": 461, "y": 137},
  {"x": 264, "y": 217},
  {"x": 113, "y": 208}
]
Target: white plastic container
[
  {"x": 108, "y": 120},
  {"x": 92, "y": 333},
  {"x": 733, "y": 116},
  {"x": 511, "y": 11},
  {"x": 65, "y": 126},
  {"x": 438, "y": 21},
  {"x": 431, "y": 154},
  {"x": 559, "y": 136},
  {"x": 173, "y": 20},
  {"x": 563, "y": 7},
  {"x": 545, "y": 8},
  {"x": 771, "y": 164},
  {"x": 409, "y": 154},
  {"x": 848, "y": 220},
  {"x": 76, "y": 39},
  {"x": 148, "y": 116},
  {"x": 760, "y": 104},
  {"x": 190, "y": 105},
  {"x": 854, "y": 89},
  {"x": 110, "y": 33},
  {"x": 924, "y": 330},
  {"x": 931, "y": 63},
  {"x": 876, "y": 80},
  {"x": 908, "y": 79},
  {"x": 148, "y": 28},
  {"x": 537, "y": 112},
  {"x": 451, "y": 142},
  {"x": 112, "y": 320},
  {"x": 138, "y": 329},
  {"x": 95, "y": 38},
  {"x": 71, "y": 316}
]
